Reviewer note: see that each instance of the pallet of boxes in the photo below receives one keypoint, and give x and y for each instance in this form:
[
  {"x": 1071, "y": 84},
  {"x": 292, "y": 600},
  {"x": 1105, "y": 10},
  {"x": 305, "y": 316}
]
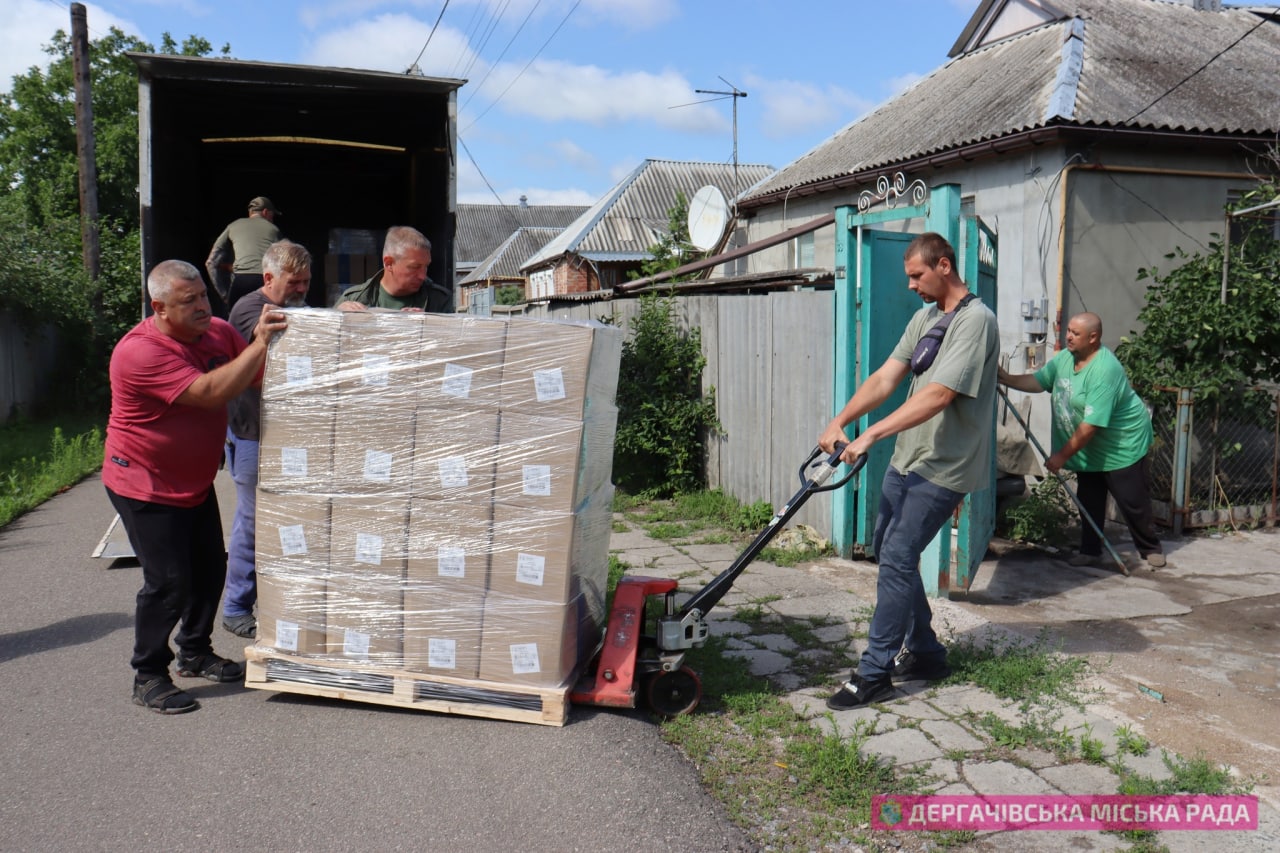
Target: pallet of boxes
[{"x": 434, "y": 510}]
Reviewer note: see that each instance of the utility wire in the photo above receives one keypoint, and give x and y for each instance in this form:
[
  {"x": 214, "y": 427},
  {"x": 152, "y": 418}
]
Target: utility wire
[
  {"x": 430, "y": 34},
  {"x": 486, "y": 180},
  {"x": 494, "y": 64},
  {"x": 1262, "y": 20},
  {"x": 495, "y": 19},
  {"x": 526, "y": 65}
]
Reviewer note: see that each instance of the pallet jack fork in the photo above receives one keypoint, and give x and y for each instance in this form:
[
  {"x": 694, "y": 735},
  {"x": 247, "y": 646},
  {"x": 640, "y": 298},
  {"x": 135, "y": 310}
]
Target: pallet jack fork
[{"x": 632, "y": 664}]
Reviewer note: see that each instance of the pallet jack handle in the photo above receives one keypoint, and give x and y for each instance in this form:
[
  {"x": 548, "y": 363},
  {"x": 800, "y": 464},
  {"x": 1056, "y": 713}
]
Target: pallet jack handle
[{"x": 814, "y": 474}]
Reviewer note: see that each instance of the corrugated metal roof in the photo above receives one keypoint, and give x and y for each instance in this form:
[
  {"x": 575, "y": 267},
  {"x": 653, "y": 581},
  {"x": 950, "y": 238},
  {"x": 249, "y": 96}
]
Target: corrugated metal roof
[
  {"x": 1105, "y": 64},
  {"x": 485, "y": 227},
  {"x": 505, "y": 261},
  {"x": 632, "y": 216}
]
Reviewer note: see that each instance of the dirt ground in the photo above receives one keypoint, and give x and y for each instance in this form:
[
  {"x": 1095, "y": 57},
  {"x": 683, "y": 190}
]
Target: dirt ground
[{"x": 1190, "y": 652}]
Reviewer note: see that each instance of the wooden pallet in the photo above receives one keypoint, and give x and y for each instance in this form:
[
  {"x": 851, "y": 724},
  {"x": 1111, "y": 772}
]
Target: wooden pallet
[{"x": 269, "y": 670}]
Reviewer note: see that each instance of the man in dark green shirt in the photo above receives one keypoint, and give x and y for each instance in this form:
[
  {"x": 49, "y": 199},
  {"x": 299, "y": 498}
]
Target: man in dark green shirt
[{"x": 402, "y": 284}]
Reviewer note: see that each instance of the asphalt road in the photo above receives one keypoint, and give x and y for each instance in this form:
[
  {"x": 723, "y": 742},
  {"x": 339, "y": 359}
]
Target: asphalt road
[{"x": 86, "y": 769}]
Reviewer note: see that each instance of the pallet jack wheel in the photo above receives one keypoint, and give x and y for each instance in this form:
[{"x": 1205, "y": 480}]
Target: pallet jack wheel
[{"x": 673, "y": 694}]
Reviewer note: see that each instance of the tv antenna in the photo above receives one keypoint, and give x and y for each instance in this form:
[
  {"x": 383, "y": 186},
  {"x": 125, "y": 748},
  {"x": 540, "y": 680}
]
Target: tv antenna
[{"x": 736, "y": 93}]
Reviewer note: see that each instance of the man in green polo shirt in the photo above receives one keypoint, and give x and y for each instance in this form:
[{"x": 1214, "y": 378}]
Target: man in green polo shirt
[
  {"x": 1101, "y": 431},
  {"x": 402, "y": 284}
]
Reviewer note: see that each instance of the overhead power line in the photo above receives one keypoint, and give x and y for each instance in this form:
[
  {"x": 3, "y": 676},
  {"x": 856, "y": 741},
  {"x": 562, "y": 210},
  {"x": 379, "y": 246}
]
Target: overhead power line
[
  {"x": 563, "y": 21},
  {"x": 429, "y": 35},
  {"x": 1249, "y": 32}
]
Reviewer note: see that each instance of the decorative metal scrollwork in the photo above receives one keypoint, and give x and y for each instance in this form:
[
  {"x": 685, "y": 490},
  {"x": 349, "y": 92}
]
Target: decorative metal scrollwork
[{"x": 890, "y": 193}]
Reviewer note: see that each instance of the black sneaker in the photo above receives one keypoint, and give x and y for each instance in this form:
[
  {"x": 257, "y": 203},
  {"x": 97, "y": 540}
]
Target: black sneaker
[
  {"x": 211, "y": 667},
  {"x": 908, "y": 667},
  {"x": 857, "y": 692}
]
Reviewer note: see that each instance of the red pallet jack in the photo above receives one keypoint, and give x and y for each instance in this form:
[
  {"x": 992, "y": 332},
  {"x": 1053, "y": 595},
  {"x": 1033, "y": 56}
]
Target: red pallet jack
[{"x": 634, "y": 664}]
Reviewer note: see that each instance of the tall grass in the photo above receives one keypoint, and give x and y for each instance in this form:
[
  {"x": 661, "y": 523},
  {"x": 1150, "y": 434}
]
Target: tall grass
[{"x": 28, "y": 481}]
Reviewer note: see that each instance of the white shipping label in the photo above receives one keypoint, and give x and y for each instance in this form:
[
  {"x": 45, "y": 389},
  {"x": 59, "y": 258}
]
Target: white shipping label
[
  {"x": 355, "y": 644},
  {"x": 293, "y": 461},
  {"x": 286, "y": 636},
  {"x": 377, "y": 466},
  {"x": 549, "y": 384},
  {"x": 452, "y": 562},
  {"x": 453, "y": 473},
  {"x": 442, "y": 654},
  {"x": 375, "y": 369},
  {"x": 524, "y": 658},
  {"x": 457, "y": 381},
  {"x": 297, "y": 370},
  {"x": 293, "y": 540},
  {"x": 537, "y": 480},
  {"x": 530, "y": 569},
  {"x": 369, "y": 549}
]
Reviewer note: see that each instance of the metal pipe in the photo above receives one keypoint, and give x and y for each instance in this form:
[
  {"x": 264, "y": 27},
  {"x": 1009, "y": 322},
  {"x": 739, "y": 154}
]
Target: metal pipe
[{"x": 1062, "y": 480}]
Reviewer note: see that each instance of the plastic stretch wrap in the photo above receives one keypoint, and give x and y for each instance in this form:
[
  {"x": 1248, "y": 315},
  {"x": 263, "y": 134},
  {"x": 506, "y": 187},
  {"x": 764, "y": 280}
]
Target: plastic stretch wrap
[{"x": 434, "y": 493}]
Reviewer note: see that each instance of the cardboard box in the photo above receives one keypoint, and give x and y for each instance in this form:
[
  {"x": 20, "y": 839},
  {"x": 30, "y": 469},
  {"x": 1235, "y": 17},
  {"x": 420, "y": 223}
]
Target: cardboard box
[
  {"x": 552, "y": 556},
  {"x": 379, "y": 364},
  {"x": 442, "y": 631},
  {"x": 553, "y": 464},
  {"x": 454, "y": 453},
  {"x": 295, "y": 449},
  {"x": 462, "y": 359},
  {"x": 292, "y": 534},
  {"x": 373, "y": 452},
  {"x": 365, "y": 623},
  {"x": 560, "y": 369},
  {"x": 368, "y": 539},
  {"x": 534, "y": 642},
  {"x": 292, "y": 564},
  {"x": 291, "y": 614},
  {"x": 449, "y": 546},
  {"x": 302, "y": 361}
]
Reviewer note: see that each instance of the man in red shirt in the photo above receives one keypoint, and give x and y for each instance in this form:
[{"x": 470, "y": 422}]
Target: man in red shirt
[{"x": 171, "y": 378}]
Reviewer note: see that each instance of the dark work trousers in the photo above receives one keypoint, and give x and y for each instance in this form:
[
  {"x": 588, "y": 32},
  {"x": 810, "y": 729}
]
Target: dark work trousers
[
  {"x": 241, "y": 284},
  {"x": 1133, "y": 497},
  {"x": 184, "y": 564}
]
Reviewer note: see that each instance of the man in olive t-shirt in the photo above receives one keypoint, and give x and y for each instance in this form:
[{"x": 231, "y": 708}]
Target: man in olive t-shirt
[
  {"x": 402, "y": 284},
  {"x": 1101, "y": 431},
  {"x": 943, "y": 451}
]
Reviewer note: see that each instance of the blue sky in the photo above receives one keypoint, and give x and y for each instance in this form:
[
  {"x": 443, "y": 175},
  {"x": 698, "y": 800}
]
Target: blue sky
[{"x": 565, "y": 97}]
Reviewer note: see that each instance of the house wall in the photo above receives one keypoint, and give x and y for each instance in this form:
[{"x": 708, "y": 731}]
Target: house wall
[
  {"x": 574, "y": 275},
  {"x": 1116, "y": 222}
]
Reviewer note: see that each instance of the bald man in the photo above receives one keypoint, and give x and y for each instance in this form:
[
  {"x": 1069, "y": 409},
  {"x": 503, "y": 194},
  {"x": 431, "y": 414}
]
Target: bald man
[{"x": 1102, "y": 432}]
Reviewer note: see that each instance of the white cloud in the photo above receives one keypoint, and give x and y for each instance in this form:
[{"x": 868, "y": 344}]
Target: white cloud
[
  {"x": 559, "y": 91},
  {"x": 633, "y": 14},
  {"x": 390, "y": 43},
  {"x": 793, "y": 106},
  {"x": 26, "y": 26},
  {"x": 572, "y": 154},
  {"x": 903, "y": 82}
]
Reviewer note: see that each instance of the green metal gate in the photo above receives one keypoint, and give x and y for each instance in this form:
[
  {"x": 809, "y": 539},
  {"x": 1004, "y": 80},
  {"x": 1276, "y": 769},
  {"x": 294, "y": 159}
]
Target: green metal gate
[{"x": 872, "y": 307}]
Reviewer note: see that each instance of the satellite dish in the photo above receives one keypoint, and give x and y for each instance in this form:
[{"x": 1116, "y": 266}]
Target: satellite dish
[{"x": 708, "y": 213}]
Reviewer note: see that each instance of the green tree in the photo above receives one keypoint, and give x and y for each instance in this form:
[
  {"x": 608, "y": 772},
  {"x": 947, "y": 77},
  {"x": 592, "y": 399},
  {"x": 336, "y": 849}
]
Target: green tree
[
  {"x": 663, "y": 416},
  {"x": 1192, "y": 336},
  {"x": 42, "y": 279},
  {"x": 673, "y": 248},
  {"x": 510, "y": 294}
]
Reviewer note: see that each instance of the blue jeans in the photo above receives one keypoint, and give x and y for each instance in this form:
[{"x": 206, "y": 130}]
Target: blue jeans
[
  {"x": 912, "y": 511},
  {"x": 242, "y": 581}
]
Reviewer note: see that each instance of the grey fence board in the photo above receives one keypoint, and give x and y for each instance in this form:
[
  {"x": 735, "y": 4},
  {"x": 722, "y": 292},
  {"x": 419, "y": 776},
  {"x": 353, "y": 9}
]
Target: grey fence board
[{"x": 770, "y": 359}]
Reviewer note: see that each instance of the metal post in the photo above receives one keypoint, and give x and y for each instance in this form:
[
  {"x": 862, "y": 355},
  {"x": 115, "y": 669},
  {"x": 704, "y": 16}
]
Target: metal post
[{"x": 1181, "y": 453}]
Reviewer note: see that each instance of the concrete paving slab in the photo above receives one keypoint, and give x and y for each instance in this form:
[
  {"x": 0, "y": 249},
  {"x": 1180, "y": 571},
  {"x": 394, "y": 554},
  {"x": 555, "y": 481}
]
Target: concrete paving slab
[
  {"x": 1081, "y": 778},
  {"x": 956, "y": 701},
  {"x": 762, "y": 662},
  {"x": 903, "y": 746},
  {"x": 951, "y": 736},
  {"x": 1003, "y": 777},
  {"x": 775, "y": 642}
]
